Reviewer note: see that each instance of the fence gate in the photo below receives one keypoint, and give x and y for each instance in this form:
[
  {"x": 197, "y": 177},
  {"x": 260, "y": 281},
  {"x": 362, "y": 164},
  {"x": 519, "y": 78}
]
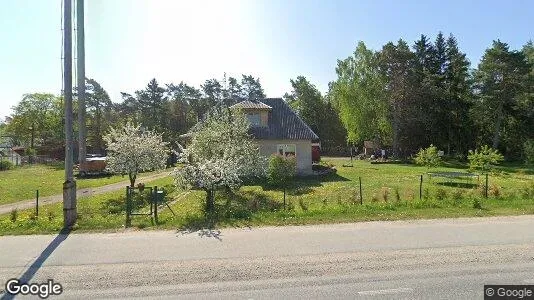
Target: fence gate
[{"x": 143, "y": 201}]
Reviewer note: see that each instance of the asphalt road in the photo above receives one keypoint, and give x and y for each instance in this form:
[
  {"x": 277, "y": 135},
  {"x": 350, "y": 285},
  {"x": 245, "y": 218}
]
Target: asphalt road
[{"x": 432, "y": 259}]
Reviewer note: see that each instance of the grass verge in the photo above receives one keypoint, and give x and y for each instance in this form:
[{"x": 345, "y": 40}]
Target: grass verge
[
  {"x": 390, "y": 192},
  {"x": 22, "y": 182}
]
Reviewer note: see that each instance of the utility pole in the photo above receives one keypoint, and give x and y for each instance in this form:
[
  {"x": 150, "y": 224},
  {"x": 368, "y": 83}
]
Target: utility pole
[
  {"x": 69, "y": 186},
  {"x": 80, "y": 43}
]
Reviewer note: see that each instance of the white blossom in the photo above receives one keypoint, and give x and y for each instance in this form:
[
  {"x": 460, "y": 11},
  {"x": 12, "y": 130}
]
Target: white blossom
[
  {"x": 221, "y": 153},
  {"x": 131, "y": 150}
]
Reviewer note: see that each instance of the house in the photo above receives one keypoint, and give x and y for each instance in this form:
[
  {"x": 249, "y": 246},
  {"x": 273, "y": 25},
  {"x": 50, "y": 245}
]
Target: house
[
  {"x": 278, "y": 129},
  {"x": 369, "y": 148},
  {"x": 9, "y": 152}
]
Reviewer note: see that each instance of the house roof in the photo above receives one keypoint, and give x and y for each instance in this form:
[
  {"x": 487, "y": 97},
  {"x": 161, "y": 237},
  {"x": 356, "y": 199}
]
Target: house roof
[
  {"x": 251, "y": 104},
  {"x": 284, "y": 123}
]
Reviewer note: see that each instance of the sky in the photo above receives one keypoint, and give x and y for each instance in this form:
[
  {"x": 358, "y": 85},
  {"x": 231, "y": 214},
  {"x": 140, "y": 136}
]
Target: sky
[{"x": 129, "y": 42}]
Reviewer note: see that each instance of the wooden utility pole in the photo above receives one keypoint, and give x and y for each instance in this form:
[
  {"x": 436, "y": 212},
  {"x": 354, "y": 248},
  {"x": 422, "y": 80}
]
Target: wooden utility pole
[
  {"x": 69, "y": 186},
  {"x": 80, "y": 47}
]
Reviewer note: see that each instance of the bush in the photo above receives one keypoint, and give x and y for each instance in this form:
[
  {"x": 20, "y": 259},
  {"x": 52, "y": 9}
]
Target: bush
[
  {"x": 281, "y": 170},
  {"x": 51, "y": 215},
  {"x": 397, "y": 194},
  {"x": 484, "y": 158},
  {"x": 409, "y": 194},
  {"x": 528, "y": 192},
  {"x": 528, "y": 150},
  {"x": 385, "y": 194},
  {"x": 6, "y": 165},
  {"x": 481, "y": 189},
  {"x": 303, "y": 204},
  {"x": 13, "y": 215},
  {"x": 477, "y": 204},
  {"x": 441, "y": 194},
  {"x": 494, "y": 190},
  {"x": 457, "y": 195},
  {"x": 374, "y": 198},
  {"x": 355, "y": 196},
  {"x": 428, "y": 157}
]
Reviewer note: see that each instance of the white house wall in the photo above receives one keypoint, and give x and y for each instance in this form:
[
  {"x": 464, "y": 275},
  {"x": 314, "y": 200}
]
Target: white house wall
[{"x": 303, "y": 148}]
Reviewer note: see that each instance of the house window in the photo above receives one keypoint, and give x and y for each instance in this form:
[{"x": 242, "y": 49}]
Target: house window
[
  {"x": 287, "y": 149},
  {"x": 254, "y": 119}
]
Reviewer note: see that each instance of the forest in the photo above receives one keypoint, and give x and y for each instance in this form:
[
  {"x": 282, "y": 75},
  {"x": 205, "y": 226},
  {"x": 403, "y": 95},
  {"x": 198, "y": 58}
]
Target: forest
[{"x": 403, "y": 97}]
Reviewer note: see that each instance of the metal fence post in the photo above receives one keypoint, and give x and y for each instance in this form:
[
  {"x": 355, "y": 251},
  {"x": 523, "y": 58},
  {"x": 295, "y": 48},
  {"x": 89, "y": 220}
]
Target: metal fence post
[
  {"x": 155, "y": 197},
  {"x": 361, "y": 197},
  {"x": 37, "y": 202},
  {"x": 421, "y": 188},
  {"x": 127, "y": 207}
]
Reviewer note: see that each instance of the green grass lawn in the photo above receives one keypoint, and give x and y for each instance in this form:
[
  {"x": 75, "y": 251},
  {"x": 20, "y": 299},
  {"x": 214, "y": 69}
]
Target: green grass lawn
[
  {"x": 390, "y": 192},
  {"x": 22, "y": 182}
]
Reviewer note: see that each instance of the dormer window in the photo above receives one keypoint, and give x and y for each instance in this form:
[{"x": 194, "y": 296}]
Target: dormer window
[{"x": 254, "y": 119}]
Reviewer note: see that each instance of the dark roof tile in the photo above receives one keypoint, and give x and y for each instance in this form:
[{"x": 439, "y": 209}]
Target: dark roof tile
[
  {"x": 284, "y": 123},
  {"x": 251, "y": 104}
]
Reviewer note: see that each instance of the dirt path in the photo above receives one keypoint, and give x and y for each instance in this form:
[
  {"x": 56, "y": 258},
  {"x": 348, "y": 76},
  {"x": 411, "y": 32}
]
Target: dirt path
[{"x": 86, "y": 192}]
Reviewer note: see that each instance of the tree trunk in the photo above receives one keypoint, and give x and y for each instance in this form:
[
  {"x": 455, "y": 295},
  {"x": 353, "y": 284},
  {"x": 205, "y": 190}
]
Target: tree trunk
[
  {"x": 210, "y": 201},
  {"x": 132, "y": 177},
  {"x": 395, "y": 137},
  {"x": 497, "y": 129}
]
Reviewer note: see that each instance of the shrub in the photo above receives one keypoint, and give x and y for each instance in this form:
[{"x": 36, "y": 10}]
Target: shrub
[
  {"x": 303, "y": 204},
  {"x": 410, "y": 194},
  {"x": 397, "y": 194},
  {"x": 528, "y": 150},
  {"x": 457, "y": 196},
  {"x": 426, "y": 194},
  {"x": 290, "y": 205},
  {"x": 13, "y": 215},
  {"x": 281, "y": 170},
  {"x": 385, "y": 194},
  {"x": 441, "y": 194},
  {"x": 484, "y": 158},
  {"x": 428, "y": 157},
  {"x": 494, "y": 190},
  {"x": 374, "y": 198},
  {"x": 33, "y": 216},
  {"x": 6, "y": 165},
  {"x": 355, "y": 196},
  {"x": 528, "y": 192},
  {"x": 51, "y": 215},
  {"x": 481, "y": 189}
]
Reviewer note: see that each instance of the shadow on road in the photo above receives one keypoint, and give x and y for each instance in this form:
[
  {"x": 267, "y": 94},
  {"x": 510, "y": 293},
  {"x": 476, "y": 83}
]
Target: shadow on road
[
  {"x": 209, "y": 233},
  {"x": 38, "y": 263}
]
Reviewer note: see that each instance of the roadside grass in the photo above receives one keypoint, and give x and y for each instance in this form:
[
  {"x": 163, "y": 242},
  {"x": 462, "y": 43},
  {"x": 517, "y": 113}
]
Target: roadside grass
[
  {"x": 22, "y": 182},
  {"x": 390, "y": 192}
]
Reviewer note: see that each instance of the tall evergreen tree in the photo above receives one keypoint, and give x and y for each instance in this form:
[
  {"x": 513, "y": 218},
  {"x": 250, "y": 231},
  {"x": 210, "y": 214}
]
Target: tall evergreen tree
[
  {"x": 99, "y": 115},
  {"x": 501, "y": 79},
  {"x": 251, "y": 88},
  {"x": 152, "y": 102},
  {"x": 458, "y": 99},
  {"x": 397, "y": 63}
]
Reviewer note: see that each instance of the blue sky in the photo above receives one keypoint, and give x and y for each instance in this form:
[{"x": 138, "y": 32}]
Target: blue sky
[{"x": 128, "y": 42}]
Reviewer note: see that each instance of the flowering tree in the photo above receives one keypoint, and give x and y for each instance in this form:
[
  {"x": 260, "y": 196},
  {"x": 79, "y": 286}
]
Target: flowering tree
[
  {"x": 221, "y": 154},
  {"x": 131, "y": 150}
]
